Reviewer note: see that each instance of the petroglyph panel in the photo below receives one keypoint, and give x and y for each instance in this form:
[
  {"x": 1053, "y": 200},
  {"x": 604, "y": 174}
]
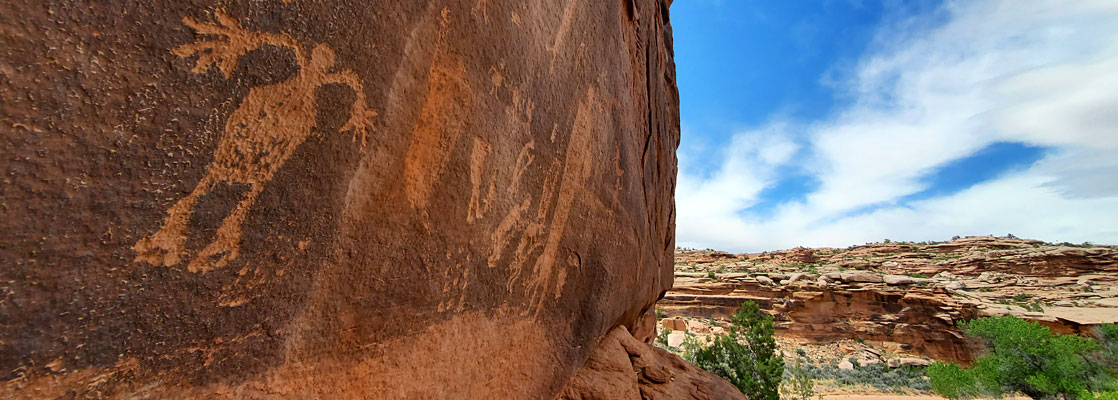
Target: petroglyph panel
[
  {"x": 291, "y": 199},
  {"x": 259, "y": 136}
]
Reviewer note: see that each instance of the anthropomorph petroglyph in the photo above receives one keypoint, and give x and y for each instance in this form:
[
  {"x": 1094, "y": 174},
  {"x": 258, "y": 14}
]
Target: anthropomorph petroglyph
[{"x": 259, "y": 136}]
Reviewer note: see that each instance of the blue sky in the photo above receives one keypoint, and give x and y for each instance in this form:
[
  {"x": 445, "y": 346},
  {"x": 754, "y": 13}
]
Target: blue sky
[{"x": 839, "y": 122}]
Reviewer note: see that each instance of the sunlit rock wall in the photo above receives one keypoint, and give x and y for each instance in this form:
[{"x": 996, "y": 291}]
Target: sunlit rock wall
[{"x": 397, "y": 199}]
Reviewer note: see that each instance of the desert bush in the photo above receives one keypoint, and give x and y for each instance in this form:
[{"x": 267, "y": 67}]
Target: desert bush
[
  {"x": 1107, "y": 335},
  {"x": 662, "y": 339},
  {"x": 1110, "y": 395},
  {"x": 1107, "y": 357},
  {"x": 747, "y": 356},
  {"x": 880, "y": 376},
  {"x": 952, "y": 381},
  {"x": 1026, "y": 357},
  {"x": 689, "y": 347},
  {"x": 799, "y": 384}
]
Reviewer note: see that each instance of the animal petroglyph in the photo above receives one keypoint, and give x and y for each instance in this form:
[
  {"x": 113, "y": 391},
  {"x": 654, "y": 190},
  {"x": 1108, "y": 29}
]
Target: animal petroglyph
[
  {"x": 541, "y": 234},
  {"x": 576, "y": 171},
  {"x": 259, "y": 136}
]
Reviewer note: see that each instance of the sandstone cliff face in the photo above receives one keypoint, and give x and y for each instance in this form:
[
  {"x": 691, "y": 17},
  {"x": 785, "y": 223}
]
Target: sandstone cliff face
[
  {"x": 905, "y": 297},
  {"x": 400, "y": 199},
  {"x": 913, "y": 321}
]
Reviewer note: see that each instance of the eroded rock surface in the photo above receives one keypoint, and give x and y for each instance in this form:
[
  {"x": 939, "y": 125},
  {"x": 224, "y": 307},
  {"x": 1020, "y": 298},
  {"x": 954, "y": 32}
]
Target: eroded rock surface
[
  {"x": 399, "y": 199},
  {"x": 623, "y": 367}
]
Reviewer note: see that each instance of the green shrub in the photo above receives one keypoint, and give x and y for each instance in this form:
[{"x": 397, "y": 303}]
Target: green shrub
[
  {"x": 880, "y": 376},
  {"x": 1108, "y": 395},
  {"x": 952, "y": 381},
  {"x": 690, "y": 346},
  {"x": 662, "y": 339},
  {"x": 799, "y": 383},
  {"x": 1107, "y": 335},
  {"x": 747, "y": 356},
  {"x": 1107, "y": 357},
  {"x": 1024, "y": 357}
]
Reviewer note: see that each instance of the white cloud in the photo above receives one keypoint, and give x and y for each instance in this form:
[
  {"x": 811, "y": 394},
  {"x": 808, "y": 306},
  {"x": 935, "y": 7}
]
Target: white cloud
[
  {"x": 749, "y": 164},
  {"x": 1079, "y": 101},
  {"x": 1044, "y": 73}
]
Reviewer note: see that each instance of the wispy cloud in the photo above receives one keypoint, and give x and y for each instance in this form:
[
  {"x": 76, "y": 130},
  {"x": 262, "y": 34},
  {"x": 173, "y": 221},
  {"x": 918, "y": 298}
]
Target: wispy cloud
[{"x": 931, "y": 90}]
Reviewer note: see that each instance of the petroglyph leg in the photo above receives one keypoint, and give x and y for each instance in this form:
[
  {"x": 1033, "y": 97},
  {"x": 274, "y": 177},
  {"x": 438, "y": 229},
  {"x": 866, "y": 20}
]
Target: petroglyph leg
[
  {"x": 446, "y": 102},
  {"x": 227, "y": 242},
  {"x": 166, "y": 246},
  {"x": 561, "y": 35},
  {"x": 478, "y": 205}
]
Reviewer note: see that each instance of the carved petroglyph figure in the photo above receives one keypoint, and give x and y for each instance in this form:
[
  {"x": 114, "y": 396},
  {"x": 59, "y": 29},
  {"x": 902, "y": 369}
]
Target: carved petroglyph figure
[{"x": 259, "y": 136}]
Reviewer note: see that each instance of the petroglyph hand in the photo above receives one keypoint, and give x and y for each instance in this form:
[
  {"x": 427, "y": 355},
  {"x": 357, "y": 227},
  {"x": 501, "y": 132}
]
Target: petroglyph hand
[
  {"x": 361, "y": 122},
  {"x": 360, "y": 118},
  {"x": 235, "y": 41},
  {"x": 223, "y": 52}
]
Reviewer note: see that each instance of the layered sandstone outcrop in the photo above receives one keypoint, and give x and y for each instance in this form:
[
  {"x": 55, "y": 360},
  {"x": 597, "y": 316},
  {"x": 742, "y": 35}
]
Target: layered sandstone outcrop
[
  {"x": 399, "y": 199},
  {"x": 906, "y": 297}
]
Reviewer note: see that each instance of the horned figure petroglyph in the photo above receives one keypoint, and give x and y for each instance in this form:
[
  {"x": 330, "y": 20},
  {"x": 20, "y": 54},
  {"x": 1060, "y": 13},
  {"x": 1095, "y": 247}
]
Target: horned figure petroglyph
[{"x": 259, "y": 136}]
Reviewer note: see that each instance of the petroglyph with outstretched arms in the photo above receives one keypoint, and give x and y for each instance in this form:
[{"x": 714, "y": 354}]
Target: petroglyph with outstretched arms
[{"x": 259, "y": 136}]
